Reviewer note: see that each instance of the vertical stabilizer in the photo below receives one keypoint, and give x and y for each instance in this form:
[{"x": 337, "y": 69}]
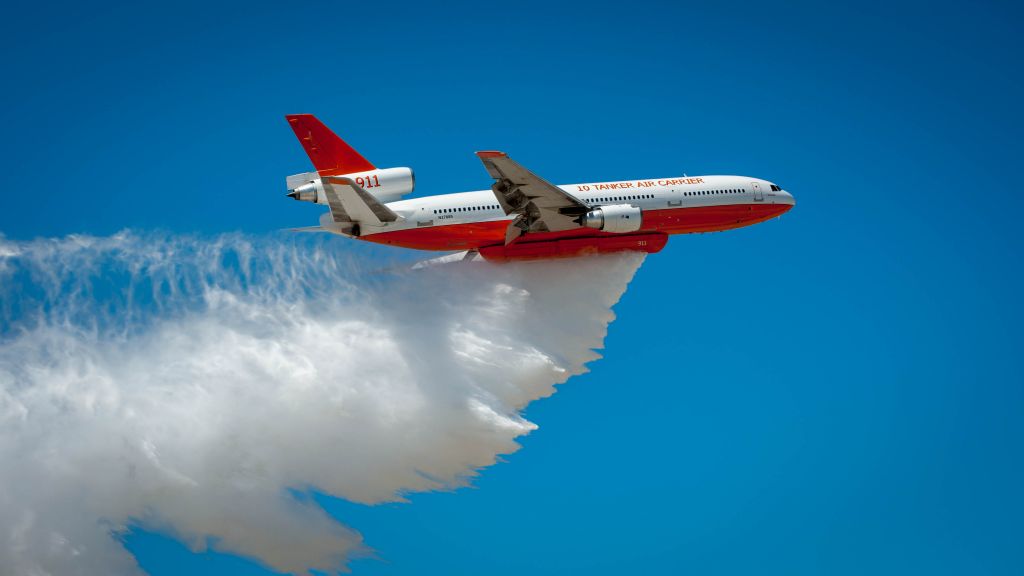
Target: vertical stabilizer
[{"x": 330, "y": 154}]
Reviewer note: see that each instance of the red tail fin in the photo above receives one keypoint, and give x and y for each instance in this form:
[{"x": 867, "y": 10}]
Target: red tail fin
[{"x": 330, "y": 154}]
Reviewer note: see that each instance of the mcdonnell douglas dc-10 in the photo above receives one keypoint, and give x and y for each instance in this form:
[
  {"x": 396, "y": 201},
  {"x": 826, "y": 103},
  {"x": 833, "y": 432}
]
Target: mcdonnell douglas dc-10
[{"x": 522, "y": 216}]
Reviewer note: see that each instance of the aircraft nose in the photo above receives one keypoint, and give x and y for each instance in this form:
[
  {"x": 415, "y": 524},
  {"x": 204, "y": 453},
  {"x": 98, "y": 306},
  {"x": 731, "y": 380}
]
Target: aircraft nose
[{"x": 784, "y": 197}]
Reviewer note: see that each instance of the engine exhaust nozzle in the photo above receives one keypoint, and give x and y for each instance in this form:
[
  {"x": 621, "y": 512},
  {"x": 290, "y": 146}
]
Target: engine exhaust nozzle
[{"x": 304, "y": 193}]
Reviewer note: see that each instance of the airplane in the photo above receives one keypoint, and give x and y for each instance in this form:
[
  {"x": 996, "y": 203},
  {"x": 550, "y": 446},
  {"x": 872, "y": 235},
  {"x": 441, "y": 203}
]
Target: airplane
[{"x": 522, "y": 216}]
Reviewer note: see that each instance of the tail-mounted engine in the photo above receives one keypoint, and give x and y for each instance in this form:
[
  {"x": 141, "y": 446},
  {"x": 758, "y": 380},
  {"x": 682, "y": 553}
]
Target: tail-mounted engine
[
  {"x": 387, "y": 184},
  {"x": 617, "y": 218}
]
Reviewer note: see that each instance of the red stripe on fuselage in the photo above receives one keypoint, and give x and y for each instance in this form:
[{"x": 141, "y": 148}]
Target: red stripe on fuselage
[
  {"x": 470, "y": 235},
  {"x": 649, "y": 242}
]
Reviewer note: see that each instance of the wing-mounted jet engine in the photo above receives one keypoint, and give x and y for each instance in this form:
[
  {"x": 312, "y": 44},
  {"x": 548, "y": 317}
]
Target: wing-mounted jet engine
[{"x": 617, "y": 218}]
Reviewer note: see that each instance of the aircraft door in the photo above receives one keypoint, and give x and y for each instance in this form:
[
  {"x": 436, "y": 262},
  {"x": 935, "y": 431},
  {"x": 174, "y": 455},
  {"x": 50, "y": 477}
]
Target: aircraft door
[
  {"x": 423, "y": 218},
  {"x": 675, "y": 198},
  {"x": 758, "y": 193}
]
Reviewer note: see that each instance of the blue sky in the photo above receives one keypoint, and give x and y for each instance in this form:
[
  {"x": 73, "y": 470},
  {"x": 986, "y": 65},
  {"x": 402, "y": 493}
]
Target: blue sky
[{"x": 839, "y": 391}]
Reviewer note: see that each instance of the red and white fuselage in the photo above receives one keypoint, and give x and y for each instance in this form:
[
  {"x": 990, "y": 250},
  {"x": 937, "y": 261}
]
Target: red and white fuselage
[{"x": 606, "y": 216}]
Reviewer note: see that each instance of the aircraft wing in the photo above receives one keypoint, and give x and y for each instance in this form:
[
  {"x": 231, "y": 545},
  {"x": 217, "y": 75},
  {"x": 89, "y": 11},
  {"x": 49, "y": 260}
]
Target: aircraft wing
[
  {"x": 539, "y": 205},
  {"x": 350, "y": 203}
]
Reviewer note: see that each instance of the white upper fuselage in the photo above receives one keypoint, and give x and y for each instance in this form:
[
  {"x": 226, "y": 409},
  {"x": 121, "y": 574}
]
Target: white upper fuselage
[{"x": 648, "y": 195}]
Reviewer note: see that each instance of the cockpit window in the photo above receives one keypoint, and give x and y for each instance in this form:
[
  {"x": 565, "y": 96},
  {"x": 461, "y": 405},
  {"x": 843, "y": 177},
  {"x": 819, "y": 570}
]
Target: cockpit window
[{"x": 776, "y": 188}]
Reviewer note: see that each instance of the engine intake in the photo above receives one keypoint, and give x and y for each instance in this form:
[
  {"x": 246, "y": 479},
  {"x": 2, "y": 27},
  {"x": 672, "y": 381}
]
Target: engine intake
[{"x": 617, "y": 218}]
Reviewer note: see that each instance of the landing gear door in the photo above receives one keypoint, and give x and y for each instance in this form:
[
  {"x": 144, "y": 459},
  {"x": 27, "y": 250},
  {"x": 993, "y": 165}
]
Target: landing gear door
[{"x": 758, "y": 193}]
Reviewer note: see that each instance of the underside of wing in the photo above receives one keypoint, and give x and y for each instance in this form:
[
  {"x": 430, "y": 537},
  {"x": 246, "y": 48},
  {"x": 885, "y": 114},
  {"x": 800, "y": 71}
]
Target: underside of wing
[{"x": 539, "y": 206}]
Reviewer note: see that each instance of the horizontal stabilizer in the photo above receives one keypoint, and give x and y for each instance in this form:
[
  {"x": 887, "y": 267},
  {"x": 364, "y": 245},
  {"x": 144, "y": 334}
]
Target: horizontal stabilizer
[
  {"x": 295, "y": 180},
  {"x": 350, "y": 203}
]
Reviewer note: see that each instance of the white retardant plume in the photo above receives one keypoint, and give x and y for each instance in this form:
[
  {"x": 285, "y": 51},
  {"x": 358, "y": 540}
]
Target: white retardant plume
[{"x": 199, "y": 387}]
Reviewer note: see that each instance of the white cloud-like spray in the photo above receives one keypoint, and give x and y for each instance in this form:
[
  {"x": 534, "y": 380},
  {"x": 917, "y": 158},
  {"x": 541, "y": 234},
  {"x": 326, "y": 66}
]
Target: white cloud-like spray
[{"x": 196, "y": 385}]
